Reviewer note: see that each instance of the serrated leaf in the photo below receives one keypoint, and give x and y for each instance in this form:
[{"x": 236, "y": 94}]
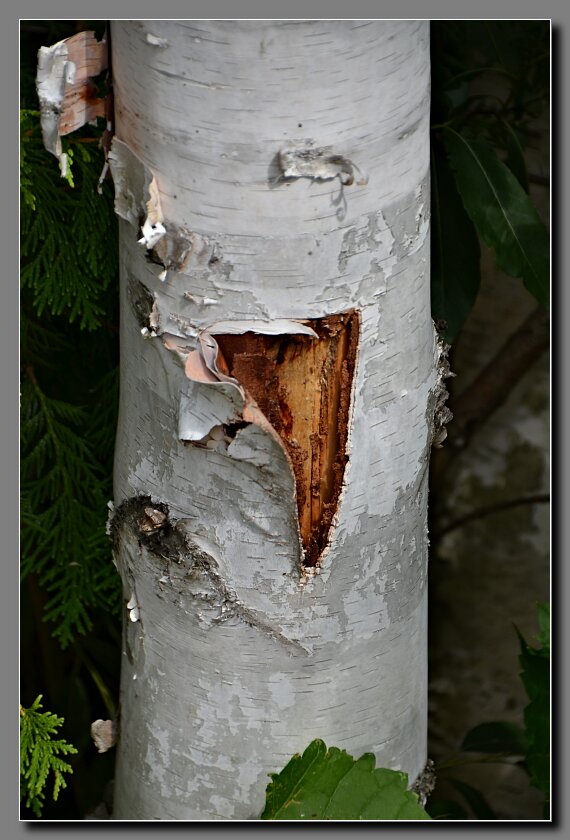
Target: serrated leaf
[
  {"x": 329, "y": 784},
  {"x": 502, "y": 212},
  {"x": 499, "y": 737},
  {"x": 536, "y": 680},
  {"x": 455, "y": 275}
]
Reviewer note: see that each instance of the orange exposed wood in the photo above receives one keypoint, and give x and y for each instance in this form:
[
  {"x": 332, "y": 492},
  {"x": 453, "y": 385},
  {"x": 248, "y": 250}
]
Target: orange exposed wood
[
  {"x": 303, "y": 387},
  {"x": 80, "y": 101}
]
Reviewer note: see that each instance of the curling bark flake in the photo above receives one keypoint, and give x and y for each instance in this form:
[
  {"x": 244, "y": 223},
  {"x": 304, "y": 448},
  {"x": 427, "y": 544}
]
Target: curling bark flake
[
  {"x": 66, "y": 88},
  {"x": 278, "y": 387}
]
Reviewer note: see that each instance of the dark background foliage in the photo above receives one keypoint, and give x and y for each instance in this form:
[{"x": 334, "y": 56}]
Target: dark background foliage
[
  {"x": 70, "y": 593},
  {"x": 490, "y": 86}
]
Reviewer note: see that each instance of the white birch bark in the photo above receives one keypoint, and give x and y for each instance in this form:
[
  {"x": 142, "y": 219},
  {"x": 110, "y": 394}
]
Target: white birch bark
[{"x": 235, "y": 656}]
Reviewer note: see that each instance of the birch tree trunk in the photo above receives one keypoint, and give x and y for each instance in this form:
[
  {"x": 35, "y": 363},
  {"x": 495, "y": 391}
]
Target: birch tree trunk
[{"x": 279, "y": 382}]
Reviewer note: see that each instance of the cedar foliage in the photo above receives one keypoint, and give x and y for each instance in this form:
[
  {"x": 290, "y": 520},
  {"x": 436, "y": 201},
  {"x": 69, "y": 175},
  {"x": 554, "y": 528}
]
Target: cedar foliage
[
  {"x": 70, "y": 594},
  {"x": 39, "y": 755},
  {"x": 69, "y": 264}
]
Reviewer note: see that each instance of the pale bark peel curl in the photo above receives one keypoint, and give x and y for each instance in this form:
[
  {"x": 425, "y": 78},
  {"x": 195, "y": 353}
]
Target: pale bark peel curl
[
  {"x": 65, "y": 88},
  {"x": 137, "y": 197}
]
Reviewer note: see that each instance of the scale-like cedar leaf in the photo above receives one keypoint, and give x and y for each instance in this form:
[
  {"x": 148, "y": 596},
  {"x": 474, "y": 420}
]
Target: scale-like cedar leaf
[
  {"x": 455, "y": 274},
  {"x": 64, "y": 495},
  {"x": 68, "y": 236},
  {"x": 329, "y": 784},
  {"x": 40, "y": 755},
  {"x": 502, "y": 212}
]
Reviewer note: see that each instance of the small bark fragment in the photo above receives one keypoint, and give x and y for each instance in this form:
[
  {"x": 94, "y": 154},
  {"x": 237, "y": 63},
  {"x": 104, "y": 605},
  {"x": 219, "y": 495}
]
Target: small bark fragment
[
  {"x": 67, "y": 93},
  {"x": 81, "y": 104},
  {"x": 104, "y": 734},
  {"x": 442, "y": 414},
  {"x": 321, "y": 164}
]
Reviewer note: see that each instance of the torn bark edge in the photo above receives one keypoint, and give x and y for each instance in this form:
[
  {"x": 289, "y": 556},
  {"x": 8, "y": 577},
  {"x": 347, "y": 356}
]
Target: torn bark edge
[
  {"x": 137, "y": 198},
  {"x": 172, "y": 541},
  {"x": 222, "y": 425},
  {"x": 318, "y": 490},
  {"x": 442, "y": 414},
  {"x": 304, "y": 160},
  {"x": 425, "y": 783},
  {"x": 65, "y": 88},
  {"x": 214, "y": 418},
  {"x": 203, "y": 365},
  {"x": 230, "y": 407}
]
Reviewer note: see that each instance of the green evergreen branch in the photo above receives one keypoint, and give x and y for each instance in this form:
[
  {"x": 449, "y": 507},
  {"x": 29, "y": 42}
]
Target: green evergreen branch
[
  {"x": 39, "y": 755},
  {"x": 69, "y": 258},
  {"x": 64, "y": 512},
  {"x": 65, "y": 265}
]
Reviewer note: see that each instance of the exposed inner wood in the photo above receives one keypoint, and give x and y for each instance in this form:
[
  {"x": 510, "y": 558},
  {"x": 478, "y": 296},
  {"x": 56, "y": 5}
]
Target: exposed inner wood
[{"x": 303, "y": 386}]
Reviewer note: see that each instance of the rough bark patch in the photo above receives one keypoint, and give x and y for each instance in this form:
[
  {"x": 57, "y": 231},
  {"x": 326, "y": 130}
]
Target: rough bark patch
[{"x": 303, "y": 387}]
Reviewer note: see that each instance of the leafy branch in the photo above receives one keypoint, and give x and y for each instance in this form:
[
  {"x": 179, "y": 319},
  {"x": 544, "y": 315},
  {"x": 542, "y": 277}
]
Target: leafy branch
[
  {"x": 40, "y": 755},
  {"x": 63, "y": 512},
  {"x": 329, "y": 784},
  {"x": 480, "y": 133},
  {"x": 69, "y": 247},
  {"x": 498, "y": 742}
]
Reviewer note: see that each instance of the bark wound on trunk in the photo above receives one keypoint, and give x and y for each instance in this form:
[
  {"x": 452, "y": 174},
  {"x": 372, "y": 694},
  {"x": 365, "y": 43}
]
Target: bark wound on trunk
[{"x": 303, "y": 387}]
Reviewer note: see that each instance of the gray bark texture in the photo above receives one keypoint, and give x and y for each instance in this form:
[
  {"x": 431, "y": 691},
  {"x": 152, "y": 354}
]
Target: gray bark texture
[{"x": 268, "y": 174}]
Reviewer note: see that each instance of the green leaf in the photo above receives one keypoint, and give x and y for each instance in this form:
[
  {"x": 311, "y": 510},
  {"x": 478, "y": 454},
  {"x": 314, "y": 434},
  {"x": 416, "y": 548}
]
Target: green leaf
[
  {"x": 64, "y": 493},
  {"x": 69, "y": 239},
  {"x": 455, "y": 275},
  {"x": 39, "y": 755},
  {"x": 535, "y": 675},
  {"x": 475, "y": 799},
  {"x": 328, "y": 784},
  {"x": 502, "y": 212},
  {"x": 515, "y": 155},
  {"x": 498, "y": 737}
]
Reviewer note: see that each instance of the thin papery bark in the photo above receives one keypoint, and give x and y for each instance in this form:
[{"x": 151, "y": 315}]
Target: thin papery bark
[{"x": 67, "y": 92}]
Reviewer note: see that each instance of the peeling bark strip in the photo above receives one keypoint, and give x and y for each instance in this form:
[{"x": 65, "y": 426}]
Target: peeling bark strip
[
  {"x": 67, "y": 93},
  {"x": 136, "y": 193},
  {"x": 442, "y": 415},
  {"x": 303, "y": 387}
]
